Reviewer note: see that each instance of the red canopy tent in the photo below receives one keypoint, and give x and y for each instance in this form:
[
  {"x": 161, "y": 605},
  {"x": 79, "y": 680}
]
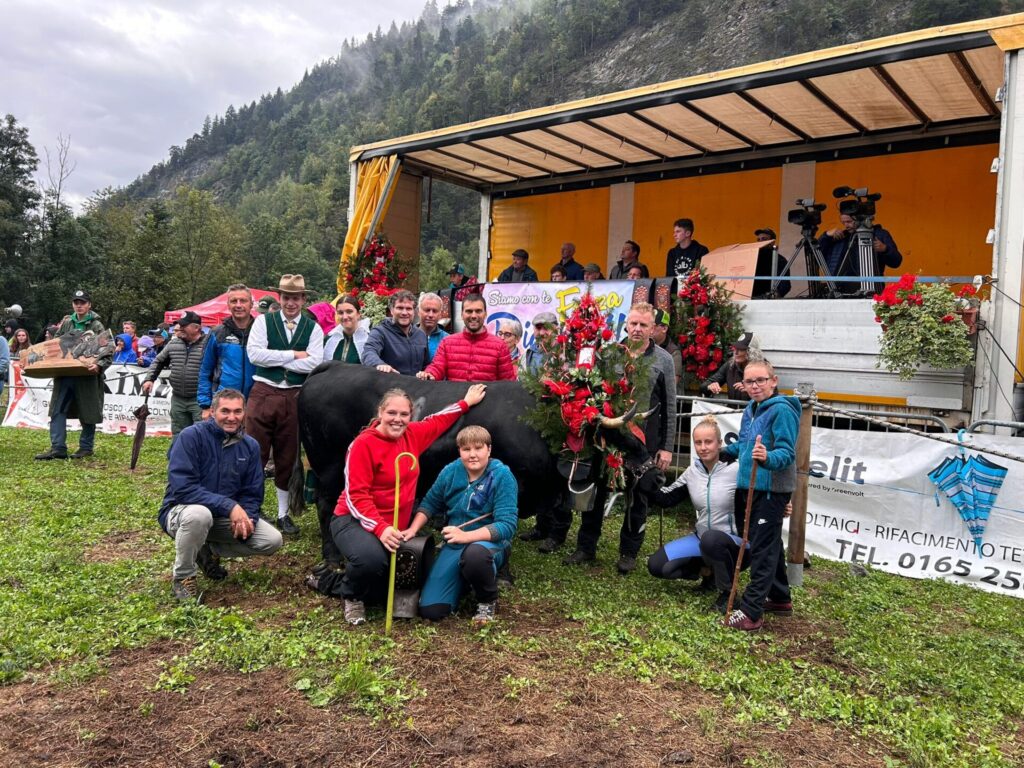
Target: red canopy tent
[{"x": 214, "y": 311}]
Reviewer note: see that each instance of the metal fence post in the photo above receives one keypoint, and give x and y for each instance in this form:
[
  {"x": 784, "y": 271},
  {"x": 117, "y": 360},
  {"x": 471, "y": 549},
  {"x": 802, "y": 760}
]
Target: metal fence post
[{"x": 798, "y": 520}]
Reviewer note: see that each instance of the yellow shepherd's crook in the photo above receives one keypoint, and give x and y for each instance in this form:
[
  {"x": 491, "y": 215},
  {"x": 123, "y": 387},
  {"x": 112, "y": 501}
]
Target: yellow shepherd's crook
[{"x": 394, "y": 555}]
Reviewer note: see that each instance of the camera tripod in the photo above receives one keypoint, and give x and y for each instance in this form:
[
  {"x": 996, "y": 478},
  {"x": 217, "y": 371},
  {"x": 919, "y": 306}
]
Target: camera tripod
[
  {"x": 864, "y": 241},
  {"x": 815, "y": 266}
]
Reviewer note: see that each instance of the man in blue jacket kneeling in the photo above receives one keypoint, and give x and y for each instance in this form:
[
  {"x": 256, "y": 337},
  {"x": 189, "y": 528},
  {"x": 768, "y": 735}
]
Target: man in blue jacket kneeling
[
  {"x": 214, "y": 494},
  {"x": 478, "y": 498}
]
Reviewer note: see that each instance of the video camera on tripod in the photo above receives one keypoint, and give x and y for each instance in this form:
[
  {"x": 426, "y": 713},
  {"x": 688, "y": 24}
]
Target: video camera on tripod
[
  {"x": 808, "y": 217},
  {"x": 859, "y": 204}
]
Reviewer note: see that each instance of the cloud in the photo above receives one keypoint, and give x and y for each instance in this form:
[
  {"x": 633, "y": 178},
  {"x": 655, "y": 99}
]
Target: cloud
[{"x": 125, "y": 80}]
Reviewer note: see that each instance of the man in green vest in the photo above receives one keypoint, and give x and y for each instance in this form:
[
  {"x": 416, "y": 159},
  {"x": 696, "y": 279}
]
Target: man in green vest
[
  {"x": 284, "y": 347},
  {"x": 79, "y": 397}
]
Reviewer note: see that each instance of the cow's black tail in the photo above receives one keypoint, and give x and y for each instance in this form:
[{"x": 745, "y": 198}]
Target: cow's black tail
[{"x": 297, "y": 486}]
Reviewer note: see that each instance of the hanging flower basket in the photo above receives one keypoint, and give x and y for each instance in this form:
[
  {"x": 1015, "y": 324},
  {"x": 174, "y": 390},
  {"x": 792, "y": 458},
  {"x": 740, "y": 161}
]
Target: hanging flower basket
[{"x": 920, "y": 326}]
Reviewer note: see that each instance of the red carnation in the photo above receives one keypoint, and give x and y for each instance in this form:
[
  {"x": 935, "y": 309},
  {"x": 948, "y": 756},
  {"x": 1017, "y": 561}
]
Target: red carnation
[
  {"x": 607, "y": 409},
  {"x": 557, "y": 387},
  {"x": 561, "y": 338},
  {"x": 947, "y": 318},
  {"x": 607, "y": 334},
  {"x": 613, "y": 461}
]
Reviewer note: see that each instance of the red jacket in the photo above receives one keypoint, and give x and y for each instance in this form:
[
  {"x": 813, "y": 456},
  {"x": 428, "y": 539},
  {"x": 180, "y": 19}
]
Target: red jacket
[
  {"x": 369, "y": 493},
  {"x": 472, "y": 357}
]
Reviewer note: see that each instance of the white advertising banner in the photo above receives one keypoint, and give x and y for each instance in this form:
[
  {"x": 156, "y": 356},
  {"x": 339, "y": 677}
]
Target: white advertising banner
[
  {"x": 29, "y": 401},
  {"x": 870, "y": 501}
]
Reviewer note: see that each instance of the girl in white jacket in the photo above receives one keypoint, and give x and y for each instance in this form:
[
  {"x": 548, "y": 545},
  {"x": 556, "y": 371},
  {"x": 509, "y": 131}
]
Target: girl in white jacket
[{"x": 715, "y": 543}]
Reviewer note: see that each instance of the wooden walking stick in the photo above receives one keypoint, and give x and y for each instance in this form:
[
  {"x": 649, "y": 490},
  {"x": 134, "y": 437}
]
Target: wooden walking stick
[
  {"x": 746, "y": 535},
  {"x": 394, "y": 524}
]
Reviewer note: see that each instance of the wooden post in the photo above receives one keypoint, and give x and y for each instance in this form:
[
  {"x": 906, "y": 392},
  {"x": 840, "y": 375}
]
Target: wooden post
[{"x": 798, "y": 521}]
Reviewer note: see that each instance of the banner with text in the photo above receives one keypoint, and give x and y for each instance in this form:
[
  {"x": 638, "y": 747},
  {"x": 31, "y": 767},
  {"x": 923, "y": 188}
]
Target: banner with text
[
  {"x": 29, "y": 401},
  {"x": 869, "y": 500}
]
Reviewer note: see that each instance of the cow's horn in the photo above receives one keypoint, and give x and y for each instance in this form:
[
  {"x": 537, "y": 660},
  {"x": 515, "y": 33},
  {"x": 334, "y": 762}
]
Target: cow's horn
[
  {"x": 649, "y": 413},
  {"x": 618, "y": 421}
]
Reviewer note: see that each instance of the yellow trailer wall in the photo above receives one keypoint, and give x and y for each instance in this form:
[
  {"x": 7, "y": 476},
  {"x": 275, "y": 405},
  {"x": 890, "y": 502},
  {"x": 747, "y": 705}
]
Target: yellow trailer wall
[{"x": 938, "y": 205}]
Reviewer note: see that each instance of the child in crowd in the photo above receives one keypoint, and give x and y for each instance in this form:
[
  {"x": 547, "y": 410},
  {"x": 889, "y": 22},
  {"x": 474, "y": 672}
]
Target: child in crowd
[
  {"x": 473, "y": 486},
  {"x": 147, "y": 352},
  {"x": 768, "y": 433}
]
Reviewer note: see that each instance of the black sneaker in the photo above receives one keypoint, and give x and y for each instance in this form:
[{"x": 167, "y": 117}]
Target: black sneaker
[
  {"x": 325, "y": 567},
  {"x": 210, "y": 565},
  {"x": 51, "y": 454},
  {"x": 721, "y": 603},
  {"x": 287, "y": 526},
  {"x": 533, "y": 534},
  {"x": 578, "y": 558},
  {"x": 626, "y": 564},
  {"x": 707, "y": 584},
  {"x": 549, "y": 545},
  {"x": 81, "y": 453},
  {"x": 504, "y": 576}
]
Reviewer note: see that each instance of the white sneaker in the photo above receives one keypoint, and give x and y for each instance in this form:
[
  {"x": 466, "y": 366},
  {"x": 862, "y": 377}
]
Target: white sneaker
[
  {"x": 355, "y": 612},
  {"x": 485, "y": 612}
]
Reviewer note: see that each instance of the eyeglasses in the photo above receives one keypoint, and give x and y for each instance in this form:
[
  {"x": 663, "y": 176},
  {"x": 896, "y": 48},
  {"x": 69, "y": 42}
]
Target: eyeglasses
[
  {"x": 507, "y": 335},
  {"x": 759, "y": 381}
]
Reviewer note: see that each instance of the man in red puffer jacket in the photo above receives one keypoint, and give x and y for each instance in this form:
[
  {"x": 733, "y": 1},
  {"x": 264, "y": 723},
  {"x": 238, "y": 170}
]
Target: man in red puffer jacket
[{"x": 473, "y": 355}]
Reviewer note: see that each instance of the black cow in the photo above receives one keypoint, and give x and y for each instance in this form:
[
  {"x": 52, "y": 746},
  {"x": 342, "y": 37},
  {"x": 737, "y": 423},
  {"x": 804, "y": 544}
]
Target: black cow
[{"x": 338, "y": 400}]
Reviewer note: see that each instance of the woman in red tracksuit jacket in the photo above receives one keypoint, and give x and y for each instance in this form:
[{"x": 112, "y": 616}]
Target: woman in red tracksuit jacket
[{"x": 362, "y": 526}]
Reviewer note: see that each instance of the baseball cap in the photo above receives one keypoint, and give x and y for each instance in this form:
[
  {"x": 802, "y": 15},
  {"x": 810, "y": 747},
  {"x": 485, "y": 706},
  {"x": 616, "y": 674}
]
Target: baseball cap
[
  {"x": 592, "y": 267},
  {"x": 661, "y": 317},
  {"x": 188, "y": 318},
  {"x": 545, "y": 318},
  {"x": 457, "y": 269},
  {"x": 766, "y": 231},
  {"x": 81, "y": 295},
  {"x": 743, "y": 342}
]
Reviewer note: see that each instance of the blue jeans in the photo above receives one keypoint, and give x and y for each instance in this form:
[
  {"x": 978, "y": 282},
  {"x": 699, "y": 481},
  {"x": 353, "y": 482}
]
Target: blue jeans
[{"x": 59, "y": 423}]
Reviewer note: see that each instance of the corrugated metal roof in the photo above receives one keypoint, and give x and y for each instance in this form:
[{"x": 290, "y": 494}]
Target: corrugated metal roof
[{"x": 913, "y": 84}]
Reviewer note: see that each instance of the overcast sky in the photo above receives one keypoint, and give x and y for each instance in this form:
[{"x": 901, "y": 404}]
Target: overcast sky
[{"x": 126, "y": 79}]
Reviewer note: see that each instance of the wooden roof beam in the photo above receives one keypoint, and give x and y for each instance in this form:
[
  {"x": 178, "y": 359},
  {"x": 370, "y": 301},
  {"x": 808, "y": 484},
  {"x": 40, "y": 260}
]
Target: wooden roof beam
[
  {"x": 901, "y": 96},
  {"x": 773, "y": 116},
  {"x": 973, "y": 82},
  {"x": 827, "y": 101},
  {"x": 508, "y": 158},
  {"x": 526, "y": 143},
  {"x": 557, "y": 135},
  {"x": 668, "y": 132},
  {"x": 623, "y": 140}
]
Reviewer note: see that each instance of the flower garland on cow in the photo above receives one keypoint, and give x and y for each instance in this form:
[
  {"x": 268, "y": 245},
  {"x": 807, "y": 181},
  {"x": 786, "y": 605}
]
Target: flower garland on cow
[
  {"x": 705, "y": 322},
  {"x": 373, "y": 275},
  {"x": 585, "y": 376},
  {"x": 924, "y": 324}
]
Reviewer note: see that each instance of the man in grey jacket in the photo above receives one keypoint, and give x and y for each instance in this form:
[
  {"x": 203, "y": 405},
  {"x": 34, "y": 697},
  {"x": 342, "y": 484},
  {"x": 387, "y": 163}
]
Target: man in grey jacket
[
  {"x": 184, "y": 355},
  {"x": 396, "y": 345},
  {"x": 659, "y": 437}
]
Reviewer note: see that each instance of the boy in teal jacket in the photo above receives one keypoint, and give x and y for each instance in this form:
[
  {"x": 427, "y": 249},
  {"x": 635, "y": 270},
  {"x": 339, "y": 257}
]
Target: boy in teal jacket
[
  {"x": 475, "y": 485},
  {"x": 768, "y": 433}
]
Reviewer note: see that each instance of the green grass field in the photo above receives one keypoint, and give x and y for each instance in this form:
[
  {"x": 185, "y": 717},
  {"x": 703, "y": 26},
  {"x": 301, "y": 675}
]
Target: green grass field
[{"x": 925, "y": 673}]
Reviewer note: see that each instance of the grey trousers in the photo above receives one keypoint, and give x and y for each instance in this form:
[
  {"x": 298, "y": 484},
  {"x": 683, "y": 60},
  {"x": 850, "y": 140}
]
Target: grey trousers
[
  {"x": 192, "y": 525},
  {"x": 184, "y": 413}
]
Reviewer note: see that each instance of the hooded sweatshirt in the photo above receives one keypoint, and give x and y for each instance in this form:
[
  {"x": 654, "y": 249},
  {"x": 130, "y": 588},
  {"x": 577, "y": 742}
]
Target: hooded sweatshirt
[
  {"x": 127, "y": 355},
  {"x": 777, "y": 421},
  {"x": 458, "y": 500}
]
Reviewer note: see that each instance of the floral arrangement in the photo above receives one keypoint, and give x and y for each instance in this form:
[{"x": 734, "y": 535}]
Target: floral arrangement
[
  {"x": 373, "y": 275},
  {"x": 585, "y": 376},
  {"x": 705, "y": 323},
  {"x": 920, "y": 324}
]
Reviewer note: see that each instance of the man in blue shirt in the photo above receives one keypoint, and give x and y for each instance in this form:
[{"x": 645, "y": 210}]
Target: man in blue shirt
[
  {"x": 213, "y": 499},
  {"x": 839, "y": 247},
  {"x": 430, "y": 307}
]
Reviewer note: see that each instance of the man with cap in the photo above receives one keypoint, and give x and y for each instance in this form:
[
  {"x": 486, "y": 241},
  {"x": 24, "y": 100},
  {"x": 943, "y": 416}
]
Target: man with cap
[
  {"x": 78, "y": 397},
  {"x": 663, "y": 340},
  {"x": 184, "y": 356},
  {"x": 545, "y": 328},
  {"x": 629, "y": 256},
  {"x": 762, "y": 288},
  {"x": 461, "y": 283},
  {"x": 520, "y": 271},
  {"x": 592, "y": 272},
  {"x": 285, "y": 347},
  {"x": 730, "y": 374}
]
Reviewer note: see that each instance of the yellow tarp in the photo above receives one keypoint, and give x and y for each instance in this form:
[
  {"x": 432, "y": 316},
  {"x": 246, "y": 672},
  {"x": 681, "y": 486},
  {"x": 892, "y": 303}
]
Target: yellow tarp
[{"x": 373, "y": 196}]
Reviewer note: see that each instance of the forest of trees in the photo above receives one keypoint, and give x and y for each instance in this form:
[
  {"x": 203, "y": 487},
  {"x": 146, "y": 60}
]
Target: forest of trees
[{"x": 263, "y": 188}]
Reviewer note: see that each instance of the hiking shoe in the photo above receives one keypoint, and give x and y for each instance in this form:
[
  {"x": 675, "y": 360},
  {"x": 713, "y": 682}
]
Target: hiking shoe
[
  {"x": 210, "y": 565},
  {"x": 287, "y": 526},
  {"x": 779, "y": 609},
  {"x": 721, "y": 603},
  {"x": 51, "y": 454},
  {"x": 325, "y": 567},
  {"x": 81, "y": 453},
  {"x": 186, "y": 590},
  {"x": 533, "y": 534},
  {"x": 707, "y": 584},
  {"x": 312, "y": 580},
  {"x": 739, "y": 620},
  {"x": 578, "y": 558},
  {"x": 626, "y": 564},
  {"x": 485, "y": 613},
  {"x": 504, "y": 576},
  {"x": 549, "y": 545},
  {"x": 355, "y": 612}
]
